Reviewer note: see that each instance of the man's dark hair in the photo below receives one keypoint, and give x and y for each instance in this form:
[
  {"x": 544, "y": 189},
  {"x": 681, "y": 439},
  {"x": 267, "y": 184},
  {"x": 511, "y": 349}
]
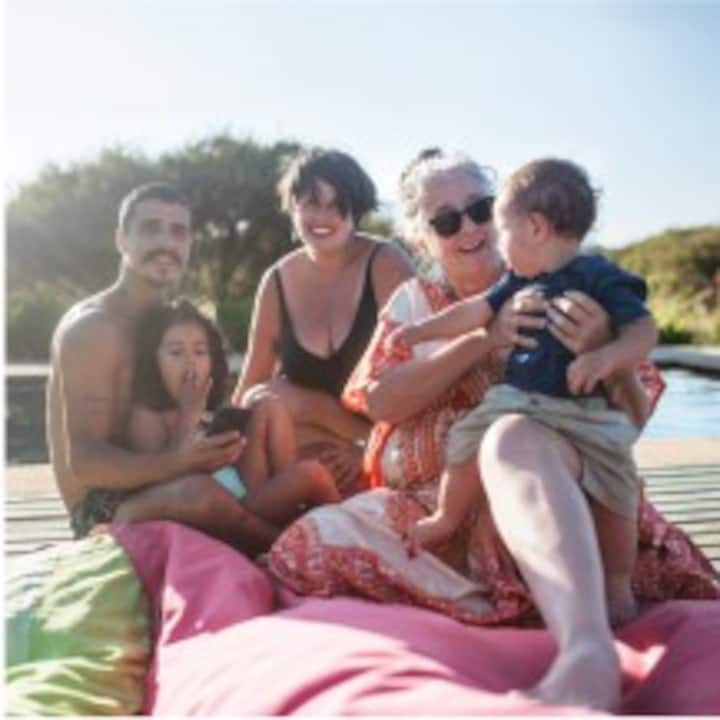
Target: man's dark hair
[
  {"x": 152, "y": 191},
  {"x": 148, "y": 386},
  {"x": 558, "y": 189},
  {"x": 355, "y": 191}
]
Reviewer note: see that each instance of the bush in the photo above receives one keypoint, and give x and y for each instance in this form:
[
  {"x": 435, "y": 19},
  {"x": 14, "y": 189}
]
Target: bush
[
  {"x": 32, "y": 315},
  {"x": 233, "y": 317},
  {"x": 671, "y": 334}
]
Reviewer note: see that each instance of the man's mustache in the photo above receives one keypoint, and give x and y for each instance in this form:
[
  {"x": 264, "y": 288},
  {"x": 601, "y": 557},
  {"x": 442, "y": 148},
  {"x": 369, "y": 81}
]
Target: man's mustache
[{"x": 149, "y": 257}]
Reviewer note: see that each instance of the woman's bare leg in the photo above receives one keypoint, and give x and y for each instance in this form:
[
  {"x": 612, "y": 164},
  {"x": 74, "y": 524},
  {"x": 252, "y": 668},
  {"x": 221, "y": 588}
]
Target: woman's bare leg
[
  {"x": 530, "y": 477},
  {"x": 286, "y": 495}
]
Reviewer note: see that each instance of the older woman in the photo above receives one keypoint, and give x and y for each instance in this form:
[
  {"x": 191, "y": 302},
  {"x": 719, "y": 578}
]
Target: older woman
[
  {"x": 316, "y": 309},
  {"x": 414, "y": 396}
]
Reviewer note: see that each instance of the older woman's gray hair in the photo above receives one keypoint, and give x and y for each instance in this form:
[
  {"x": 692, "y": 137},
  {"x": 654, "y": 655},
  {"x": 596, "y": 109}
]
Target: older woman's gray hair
[{"x": 426, "y": 167}]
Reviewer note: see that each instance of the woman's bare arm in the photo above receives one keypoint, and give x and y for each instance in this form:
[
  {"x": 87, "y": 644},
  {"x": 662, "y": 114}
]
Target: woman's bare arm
[
  {"x": 261, "y": 356},
  {"x": 311, "y": 407},
  {"x": 391, "y": 268},
  {"x": 406, "y": 389}
]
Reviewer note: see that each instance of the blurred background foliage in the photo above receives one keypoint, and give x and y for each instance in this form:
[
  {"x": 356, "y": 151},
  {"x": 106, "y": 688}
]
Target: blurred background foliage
[
  {"x": 60, "y": 233},
  {"x": 60, "y": 242},
  {"x": 682, "y": 269}
]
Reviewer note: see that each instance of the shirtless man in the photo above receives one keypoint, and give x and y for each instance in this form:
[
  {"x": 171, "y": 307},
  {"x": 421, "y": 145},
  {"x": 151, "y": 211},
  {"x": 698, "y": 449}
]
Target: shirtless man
[{"x": 92, "y": 359}]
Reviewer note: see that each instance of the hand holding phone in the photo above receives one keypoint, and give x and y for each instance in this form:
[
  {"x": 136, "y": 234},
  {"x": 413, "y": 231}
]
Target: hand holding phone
[{"x": 229, "y": 418}]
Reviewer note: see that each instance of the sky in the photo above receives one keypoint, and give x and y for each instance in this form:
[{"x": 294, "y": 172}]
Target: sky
[{"x": 629, "y": 90}]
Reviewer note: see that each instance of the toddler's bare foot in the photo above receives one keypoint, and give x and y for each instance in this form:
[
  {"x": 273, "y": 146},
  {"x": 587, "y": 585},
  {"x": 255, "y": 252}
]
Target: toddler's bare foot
[
  {"x": 587, "y": 676},
  {"x": 432, "y": 530},
  {"x": 622, "y": 606}
]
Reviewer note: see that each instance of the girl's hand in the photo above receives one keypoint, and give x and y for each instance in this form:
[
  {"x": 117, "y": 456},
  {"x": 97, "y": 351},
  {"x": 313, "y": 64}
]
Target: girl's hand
[
  {"x": 578, "y": 322},
  {"x": 192, "y": 399}
]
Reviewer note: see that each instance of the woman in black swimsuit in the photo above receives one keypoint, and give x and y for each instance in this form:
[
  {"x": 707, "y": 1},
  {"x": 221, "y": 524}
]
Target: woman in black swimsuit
[{"x": 316, "y": 308}]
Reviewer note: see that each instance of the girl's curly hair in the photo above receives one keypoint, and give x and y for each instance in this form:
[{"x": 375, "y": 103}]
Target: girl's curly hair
[{"x": 148, "y": 386}]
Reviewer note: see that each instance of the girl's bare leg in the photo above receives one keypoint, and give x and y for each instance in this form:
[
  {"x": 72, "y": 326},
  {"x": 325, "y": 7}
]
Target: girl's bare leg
[
  {"x": 281, "y": 441},
  {"x": 200, "y": 502},
  {"x": 270, "y": 444},
  {"x": 286, "y": 495},
  {"x": 530, "y": 477},
  {"x": 617, "y": 537},
  {"x": 460, "y": 491}
]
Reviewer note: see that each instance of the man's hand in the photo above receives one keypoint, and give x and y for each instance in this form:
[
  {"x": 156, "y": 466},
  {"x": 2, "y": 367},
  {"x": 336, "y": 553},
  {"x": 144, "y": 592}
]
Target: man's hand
[{"x": 586, "y": 371}]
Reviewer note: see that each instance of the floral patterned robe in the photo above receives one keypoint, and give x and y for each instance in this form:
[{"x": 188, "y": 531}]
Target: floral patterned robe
[{"x": 355, "y": 547}]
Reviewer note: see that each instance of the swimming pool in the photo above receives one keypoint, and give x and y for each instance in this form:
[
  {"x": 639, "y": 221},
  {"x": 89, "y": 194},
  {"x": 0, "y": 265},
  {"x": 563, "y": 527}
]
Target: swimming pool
[{"x": 690, "y": 407}]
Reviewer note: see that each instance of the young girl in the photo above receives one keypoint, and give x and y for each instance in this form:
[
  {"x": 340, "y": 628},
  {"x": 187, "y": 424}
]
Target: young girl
[{"x": 180, "y": 373}]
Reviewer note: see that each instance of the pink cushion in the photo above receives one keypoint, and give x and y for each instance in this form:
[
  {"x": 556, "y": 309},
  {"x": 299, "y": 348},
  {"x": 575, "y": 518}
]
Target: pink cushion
[{"x": 223, "y": 650}]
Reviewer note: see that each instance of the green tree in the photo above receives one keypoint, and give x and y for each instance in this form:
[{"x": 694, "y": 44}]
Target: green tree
[
  {"x": 239, "y": 229},
  {"x": 60, "y": 227}
]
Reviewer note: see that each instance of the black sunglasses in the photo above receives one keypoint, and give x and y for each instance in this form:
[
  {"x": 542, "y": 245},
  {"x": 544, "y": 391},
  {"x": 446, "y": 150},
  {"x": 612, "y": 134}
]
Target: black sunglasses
[{"x": 448, "y": 223}]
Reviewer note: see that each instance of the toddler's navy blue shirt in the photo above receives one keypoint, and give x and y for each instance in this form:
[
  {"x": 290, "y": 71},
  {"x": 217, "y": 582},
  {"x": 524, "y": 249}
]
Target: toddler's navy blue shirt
[{"x": 544, "y": 368}]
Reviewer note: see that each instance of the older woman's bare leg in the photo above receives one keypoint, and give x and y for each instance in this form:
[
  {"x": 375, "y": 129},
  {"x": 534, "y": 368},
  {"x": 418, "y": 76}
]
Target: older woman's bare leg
[{"x": 530, "y": 477}]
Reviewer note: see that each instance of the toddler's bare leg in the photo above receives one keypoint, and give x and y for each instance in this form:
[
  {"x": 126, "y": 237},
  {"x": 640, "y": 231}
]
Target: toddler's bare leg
[
  {"x": 617, "y": 538},
  {"x": 460, "y": 490},
  {"x": 286, "y": 495}
]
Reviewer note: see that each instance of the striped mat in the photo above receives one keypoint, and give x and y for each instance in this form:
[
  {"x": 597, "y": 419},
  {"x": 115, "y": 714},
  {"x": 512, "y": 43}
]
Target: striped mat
[{"x": 688, "y": 495}]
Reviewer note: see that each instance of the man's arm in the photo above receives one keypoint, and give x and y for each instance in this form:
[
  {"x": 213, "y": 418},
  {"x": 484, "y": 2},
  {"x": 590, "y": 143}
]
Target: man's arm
[{"x": 88, "y": 355}]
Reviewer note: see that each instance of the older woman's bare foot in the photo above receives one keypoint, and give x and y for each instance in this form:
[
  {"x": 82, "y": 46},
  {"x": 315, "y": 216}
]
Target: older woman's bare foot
[{"x": 587, "y": 675}]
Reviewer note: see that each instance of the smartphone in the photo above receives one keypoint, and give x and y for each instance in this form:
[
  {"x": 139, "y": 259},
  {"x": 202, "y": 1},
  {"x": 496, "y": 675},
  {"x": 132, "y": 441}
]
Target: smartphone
[{"x": 229, "y": 418}]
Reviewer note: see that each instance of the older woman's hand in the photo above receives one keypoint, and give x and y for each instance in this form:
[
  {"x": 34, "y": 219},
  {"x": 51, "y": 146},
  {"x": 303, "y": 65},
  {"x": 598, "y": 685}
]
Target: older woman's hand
[
  {"x": 524, "y": 311},
  {"x": 578, "y": 322}
]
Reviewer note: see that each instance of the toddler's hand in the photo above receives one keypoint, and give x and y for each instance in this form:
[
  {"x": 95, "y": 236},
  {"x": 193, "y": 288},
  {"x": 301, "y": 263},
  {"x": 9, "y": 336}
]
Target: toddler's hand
[
  {"x": 404, "y": 335},
  {"x": 587, "y": 370}
]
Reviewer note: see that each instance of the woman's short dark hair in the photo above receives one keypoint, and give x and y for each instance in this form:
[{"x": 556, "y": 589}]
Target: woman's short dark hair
[
  {"x": 148, "y": 386},
  {"x": 558, "y": 189},
  {"x": 355, "y": 191}
]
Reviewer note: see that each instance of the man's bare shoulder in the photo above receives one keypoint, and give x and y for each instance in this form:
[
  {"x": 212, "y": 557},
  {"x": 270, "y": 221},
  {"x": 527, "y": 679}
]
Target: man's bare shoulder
[{"x": 89, "y": 322}]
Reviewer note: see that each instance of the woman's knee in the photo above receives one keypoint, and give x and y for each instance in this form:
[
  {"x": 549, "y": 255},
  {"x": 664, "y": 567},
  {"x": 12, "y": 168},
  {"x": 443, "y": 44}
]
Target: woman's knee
[
  {"x": 520, "y": 455},
  {"x": 504, "y": 437}
]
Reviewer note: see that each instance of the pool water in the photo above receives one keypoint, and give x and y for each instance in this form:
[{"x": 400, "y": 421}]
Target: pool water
[{"x": 690, "y": 407}]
